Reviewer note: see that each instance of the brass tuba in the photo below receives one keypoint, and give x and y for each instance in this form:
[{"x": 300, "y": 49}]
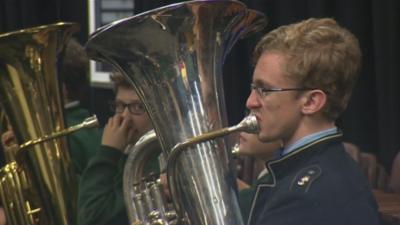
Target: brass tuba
[
  {"x": 40, "y": 186},
  {"x": 173, "y": 58},
  {"x": 144, "y": 196}
]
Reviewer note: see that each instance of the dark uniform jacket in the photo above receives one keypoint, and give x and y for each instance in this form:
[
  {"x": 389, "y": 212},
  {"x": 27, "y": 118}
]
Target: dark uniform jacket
[
  {"x": 246, "y": 196},
  {"x": 84, "y": 143},
  {"x": 100, "y": 199},
  {"x": 317, "y": 184}
]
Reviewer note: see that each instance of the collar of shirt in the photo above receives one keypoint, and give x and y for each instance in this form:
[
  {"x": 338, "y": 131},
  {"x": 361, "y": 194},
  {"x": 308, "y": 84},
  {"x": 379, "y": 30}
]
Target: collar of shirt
[
  {"x": 307, "y": 139},
  {"x": 71, "y": 104}
]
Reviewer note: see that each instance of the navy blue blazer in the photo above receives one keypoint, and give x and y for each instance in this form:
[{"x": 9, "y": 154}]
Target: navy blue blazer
[{"x": 317, "y": 184}]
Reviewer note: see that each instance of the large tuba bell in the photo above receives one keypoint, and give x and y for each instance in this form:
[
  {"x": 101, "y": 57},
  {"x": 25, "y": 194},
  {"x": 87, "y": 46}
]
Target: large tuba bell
[
  {"x": 173, "y": 57},
  {"x": 39, "y": 187}
]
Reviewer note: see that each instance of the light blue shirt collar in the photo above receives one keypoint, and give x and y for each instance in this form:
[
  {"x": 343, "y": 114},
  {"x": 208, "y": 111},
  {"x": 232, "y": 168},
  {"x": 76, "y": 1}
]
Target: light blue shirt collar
[{"x": 308, "y": 139}]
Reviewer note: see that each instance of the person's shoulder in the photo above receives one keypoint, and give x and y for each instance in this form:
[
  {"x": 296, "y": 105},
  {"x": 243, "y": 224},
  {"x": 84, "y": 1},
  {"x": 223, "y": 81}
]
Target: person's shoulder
[
  {"x": 109, "y": 154},
  {"x": 304, "y": 179},
  {"x": 77, "y": 110},
  {"x": 327, "y": 165},
  {"x": 332, "y": 175},
  {"x": 76, "y": 114}
]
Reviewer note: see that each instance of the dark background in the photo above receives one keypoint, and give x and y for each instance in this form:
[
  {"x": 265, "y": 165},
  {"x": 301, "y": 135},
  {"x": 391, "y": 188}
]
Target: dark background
[{"x": 372, "y": 118}]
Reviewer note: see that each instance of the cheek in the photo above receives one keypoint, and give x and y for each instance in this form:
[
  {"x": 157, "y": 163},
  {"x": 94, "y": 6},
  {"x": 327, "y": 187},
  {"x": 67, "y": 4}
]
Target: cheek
[
  {"x": 272, "y": 106},
  {"x": 272, "y": 117},
  {"x": 142, "y": 124},
  {"x": 271, "y": 113}
]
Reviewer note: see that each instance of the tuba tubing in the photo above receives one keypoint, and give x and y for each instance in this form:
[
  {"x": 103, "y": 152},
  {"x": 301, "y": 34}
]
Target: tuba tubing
[
  {"x": 249, "y": 124},
  {"x": 39, "y": 189},
  {"x": 133, "y": 176},
  {"x": 173, "y": 57},
  {"x": 133, "y": 181},
  {"x": 14, "y": 179},
  {"x": 86, "y": 123}
]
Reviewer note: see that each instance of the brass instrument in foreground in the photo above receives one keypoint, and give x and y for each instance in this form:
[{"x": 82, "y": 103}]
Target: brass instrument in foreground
[
  {"x": 15, "y": 186},
  {"x": 40, "y": 188},
  {"x": 173, "y": 57},
  {"x": 144, "y": 196}
]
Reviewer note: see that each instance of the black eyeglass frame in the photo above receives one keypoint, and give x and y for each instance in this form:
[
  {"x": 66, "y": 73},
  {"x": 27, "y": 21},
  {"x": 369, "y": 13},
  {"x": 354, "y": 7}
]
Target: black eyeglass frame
[{"x": 119, "y": 107}]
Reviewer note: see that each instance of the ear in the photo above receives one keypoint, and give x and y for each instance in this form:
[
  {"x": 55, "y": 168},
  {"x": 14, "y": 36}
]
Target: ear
[{"x": 313, "y": 101}]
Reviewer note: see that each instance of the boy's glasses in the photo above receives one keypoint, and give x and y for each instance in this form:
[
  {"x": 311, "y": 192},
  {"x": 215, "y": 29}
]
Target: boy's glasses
[{"x": 135, "y": 108}]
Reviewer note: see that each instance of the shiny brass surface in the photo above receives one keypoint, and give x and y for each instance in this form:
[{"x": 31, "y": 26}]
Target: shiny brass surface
[
  {"x": 87, "y": 123},
  {"x": 249, "y": 124},
  {"x": 3, "y": 121},
  {"x": 41, "y": 188},
  {"x": 157, "y": 211},
  {"x": 9, "y": 153},
  {"x": 173, "y": 57}
]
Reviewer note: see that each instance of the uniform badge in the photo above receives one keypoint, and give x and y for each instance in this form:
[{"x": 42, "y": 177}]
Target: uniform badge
[{"x": 304, "y": 178}]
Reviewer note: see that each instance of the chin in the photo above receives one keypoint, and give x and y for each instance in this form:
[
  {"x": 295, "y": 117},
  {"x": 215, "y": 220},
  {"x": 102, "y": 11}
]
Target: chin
[
  {"x": 261, "y": 136},
  {"x": 265, "y": 138}
]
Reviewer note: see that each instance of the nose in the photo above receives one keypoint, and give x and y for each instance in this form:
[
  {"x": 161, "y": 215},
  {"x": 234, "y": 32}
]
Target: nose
[
  {"x": 126, "y": 112},
  {"x": 253, "y": 101}
]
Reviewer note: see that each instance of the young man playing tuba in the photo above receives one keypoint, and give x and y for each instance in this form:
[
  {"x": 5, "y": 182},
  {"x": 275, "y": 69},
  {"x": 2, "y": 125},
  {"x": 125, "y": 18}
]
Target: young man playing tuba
[{"x": 302, "y": 82}]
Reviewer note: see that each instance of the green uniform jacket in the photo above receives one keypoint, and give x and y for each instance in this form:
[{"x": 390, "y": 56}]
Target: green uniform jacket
[
  {"x": 83, "y": 143},
  {"x": 100, "y": 199}
]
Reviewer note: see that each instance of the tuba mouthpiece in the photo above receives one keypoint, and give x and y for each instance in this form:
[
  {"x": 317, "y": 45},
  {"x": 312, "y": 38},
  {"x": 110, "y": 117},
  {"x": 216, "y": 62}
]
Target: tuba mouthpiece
[{"x": 249, "y": 124}]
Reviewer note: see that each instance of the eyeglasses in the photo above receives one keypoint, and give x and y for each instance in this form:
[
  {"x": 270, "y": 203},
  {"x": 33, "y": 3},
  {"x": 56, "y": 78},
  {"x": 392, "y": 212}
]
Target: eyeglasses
[
  {"x": 135, "y": 108},
  {"x": 262, "y": 92}
]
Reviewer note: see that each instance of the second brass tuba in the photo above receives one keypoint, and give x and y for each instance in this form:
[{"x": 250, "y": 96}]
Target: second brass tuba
[
  {"x": 39, "y": 187},
  {"x": 173, "y": 57}
]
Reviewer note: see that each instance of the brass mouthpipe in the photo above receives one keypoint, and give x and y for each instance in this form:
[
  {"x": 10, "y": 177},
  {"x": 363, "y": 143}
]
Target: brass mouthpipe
[
  {"x": 248, "y": 124},
  {"x": 87, "y": 123}
]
